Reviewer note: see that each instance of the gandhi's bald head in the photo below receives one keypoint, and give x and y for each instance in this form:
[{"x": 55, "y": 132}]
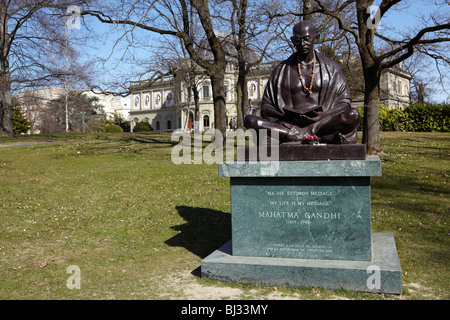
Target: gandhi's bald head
[
  {"x": 304, "y": 26},
  {"x": 304, "y": 37}
]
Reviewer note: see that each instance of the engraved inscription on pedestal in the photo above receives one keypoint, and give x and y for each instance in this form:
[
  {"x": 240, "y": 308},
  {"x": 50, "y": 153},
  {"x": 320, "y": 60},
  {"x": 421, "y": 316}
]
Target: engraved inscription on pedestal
[{"x": 302, "y": 218}]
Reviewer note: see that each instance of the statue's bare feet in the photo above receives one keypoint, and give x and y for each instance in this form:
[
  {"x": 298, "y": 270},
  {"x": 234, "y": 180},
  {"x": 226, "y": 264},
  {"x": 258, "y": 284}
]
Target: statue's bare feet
[{"x": 296, "y": 134}]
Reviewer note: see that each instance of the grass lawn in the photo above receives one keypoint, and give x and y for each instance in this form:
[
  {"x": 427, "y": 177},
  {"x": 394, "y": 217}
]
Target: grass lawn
[{"x": 138, "y": 226}]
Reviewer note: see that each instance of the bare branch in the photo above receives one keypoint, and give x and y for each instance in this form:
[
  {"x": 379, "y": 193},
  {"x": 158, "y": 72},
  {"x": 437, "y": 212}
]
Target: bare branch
[{"x": 409, "y": 45}]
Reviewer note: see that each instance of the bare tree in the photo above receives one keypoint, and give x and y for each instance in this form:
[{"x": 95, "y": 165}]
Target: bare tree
[
  {"x": 83, "y": 110},
  {"x": 365, "y": 32},
  {"x": 28, "y": 29},
  {"x": 173, "y": 18},
  {"x": 423, "y": 85}
]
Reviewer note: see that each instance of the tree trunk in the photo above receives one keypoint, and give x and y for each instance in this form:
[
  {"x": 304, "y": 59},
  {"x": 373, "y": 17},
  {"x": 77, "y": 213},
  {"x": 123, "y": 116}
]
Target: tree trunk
[
  {"x": 240, "y": 113},
  {"x": 5, "y": 75},
  {"x": 371, "y": 66},
  {"x": 241, "y": 95},
  {"x": 371, "y": 123},
  {"x": 421, "y": 93},
  {"x": 6, "y": 110},
  {"x": 217, "y": 84},
  {"x": 216, "y": 70},
  {"x": 307, "y": 10},
  {"x": 66, "y": 109},
  {"x": 196, "y": 109},
  {"x": 241, "y": 84}
]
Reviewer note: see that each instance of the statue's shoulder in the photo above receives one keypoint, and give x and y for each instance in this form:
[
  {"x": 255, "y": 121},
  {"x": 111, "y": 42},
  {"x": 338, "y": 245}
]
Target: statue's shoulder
[
  {"x": 288, "y": 61},
  {"x": 281, "y": 65},
  {"x": 330, "y": 63}
]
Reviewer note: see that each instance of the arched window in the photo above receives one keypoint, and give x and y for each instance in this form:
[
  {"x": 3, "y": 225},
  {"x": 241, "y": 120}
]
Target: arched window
[
  {"x": 169, "y": 124},
  {"x": 158, "y": 126},
  {"x": 205, "y": 92},
  {"x": 205, "y": 121}
]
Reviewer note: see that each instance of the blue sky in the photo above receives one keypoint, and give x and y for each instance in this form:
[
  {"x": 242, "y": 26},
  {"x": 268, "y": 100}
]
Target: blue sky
[{"x": 398, "y": 19}]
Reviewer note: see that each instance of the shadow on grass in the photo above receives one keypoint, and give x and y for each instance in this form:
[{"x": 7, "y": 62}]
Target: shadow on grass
[
  {"x": 153, "y": 141},
  {"x": 161, "y": 138},
  {"x": 150, "y": 137},
  {"x": 401, "y": 186},
  {"x": 205, "y": 230}
]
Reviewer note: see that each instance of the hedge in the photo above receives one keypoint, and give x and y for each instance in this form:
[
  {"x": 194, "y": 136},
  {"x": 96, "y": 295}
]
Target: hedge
[
  {"x": 417, "y": 117},
  {"x": 113, "y": 128},
  {"x": 428, "y": 118},
  {"x": 142, "y": 126}
]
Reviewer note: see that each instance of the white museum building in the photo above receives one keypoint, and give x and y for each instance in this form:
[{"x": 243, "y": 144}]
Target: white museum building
[{"x": 166, "y": 104}]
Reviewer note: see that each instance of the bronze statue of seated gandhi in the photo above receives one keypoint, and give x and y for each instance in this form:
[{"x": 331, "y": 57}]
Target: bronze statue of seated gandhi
[{"x": 307, "y": 95}]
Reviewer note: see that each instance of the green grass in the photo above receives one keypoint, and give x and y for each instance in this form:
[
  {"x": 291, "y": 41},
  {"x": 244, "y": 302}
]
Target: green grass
[{"x": 138, "y": 226}]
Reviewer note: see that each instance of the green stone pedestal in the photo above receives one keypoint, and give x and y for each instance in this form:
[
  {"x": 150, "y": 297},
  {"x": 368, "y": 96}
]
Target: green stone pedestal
[
  {"x": 303, "y": 217},
  {"x": 380, "y": 275}
]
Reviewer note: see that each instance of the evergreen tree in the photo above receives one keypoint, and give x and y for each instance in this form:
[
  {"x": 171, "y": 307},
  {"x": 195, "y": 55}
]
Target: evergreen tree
[{"x": 20, "y": 122}]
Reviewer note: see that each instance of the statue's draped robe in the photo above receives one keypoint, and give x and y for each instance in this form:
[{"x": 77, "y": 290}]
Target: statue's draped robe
[{"x": 334, "y": 91}]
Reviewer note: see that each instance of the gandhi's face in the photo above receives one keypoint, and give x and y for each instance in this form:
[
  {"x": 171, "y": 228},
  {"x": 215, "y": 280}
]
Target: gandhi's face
[{"x": 304, "y": 39}]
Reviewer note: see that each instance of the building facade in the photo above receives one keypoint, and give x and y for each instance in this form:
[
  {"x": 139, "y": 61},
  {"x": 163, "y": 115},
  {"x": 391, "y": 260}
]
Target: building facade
[
  {"x": 395, "y": 89},
  {"x": 112, "y": 104},
  {"x": 167, "y": 104}
]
